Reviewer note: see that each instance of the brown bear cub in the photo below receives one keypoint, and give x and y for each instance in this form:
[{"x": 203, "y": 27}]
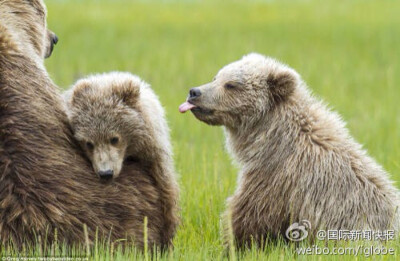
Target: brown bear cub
[
  {"x": 118, "y": 121},
  {"x": 117, "y": 118},
  {"x": 298, "y": 161}
]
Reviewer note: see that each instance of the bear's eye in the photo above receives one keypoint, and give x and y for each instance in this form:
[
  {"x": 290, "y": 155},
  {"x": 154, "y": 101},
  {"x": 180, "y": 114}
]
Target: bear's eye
[
  {"x": 89, "y": 145},
  {"x": 114, "y": 140},
  {"x": 230, "y": 85}
]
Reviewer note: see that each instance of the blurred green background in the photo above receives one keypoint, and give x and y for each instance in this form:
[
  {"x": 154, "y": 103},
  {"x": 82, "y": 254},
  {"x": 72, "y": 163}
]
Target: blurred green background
[{"x": 347, "y": 51}]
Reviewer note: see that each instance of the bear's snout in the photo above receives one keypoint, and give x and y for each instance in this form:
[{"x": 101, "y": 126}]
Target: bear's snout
[
  {"x": 106, "y": 174},
  {"x": 52, "y": 40},
  {"x": 55, "y": 39},
  {"x": 194, "y": 93}
]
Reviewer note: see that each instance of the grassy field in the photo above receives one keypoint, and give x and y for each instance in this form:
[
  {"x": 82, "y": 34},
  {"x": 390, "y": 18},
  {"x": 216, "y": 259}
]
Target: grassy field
[{"x": 347, "y": 51}]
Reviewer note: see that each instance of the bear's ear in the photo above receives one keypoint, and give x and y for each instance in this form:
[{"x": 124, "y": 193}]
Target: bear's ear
[
  {"x": 79, "y": 92},
  {"x": 282, "y": 84},
  {"x": 128, "y": 92}
]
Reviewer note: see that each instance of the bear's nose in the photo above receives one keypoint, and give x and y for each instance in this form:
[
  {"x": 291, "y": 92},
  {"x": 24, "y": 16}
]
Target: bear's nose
[
  {"x": 194, "y": 93},
  {"x": 106, "y": 174},
  {"x": 55, "y": 39}
]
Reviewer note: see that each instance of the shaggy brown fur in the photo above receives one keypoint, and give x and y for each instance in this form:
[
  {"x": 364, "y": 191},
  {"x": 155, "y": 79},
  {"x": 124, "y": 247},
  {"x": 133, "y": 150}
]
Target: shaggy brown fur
[
  {"x": 298, "y": 161},
  {"x": 31, "y": 37},
  {"x": 45, "y": 181},
  {"x": 117, "y": 118}
]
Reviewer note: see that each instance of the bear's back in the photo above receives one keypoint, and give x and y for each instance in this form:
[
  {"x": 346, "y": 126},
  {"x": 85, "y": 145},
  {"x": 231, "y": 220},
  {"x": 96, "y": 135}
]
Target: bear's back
[{"x": 46, "y": 183}]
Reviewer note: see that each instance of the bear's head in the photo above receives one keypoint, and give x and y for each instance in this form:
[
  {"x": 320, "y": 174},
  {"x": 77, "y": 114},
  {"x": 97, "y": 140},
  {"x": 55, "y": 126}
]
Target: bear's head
[
  {"x": 26, "y": 21},
  {"x": 242, "y": 91},
  {"x": 105, "y": 117}
]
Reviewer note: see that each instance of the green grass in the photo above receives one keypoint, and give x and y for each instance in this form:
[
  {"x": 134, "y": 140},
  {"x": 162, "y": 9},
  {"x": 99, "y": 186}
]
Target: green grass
[{"x": 347, "y": 51}]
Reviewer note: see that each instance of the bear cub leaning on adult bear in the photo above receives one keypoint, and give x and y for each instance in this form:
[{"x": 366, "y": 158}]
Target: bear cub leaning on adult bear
[
  {"x": 118, "y": 120},
  {"x": 298, "y": 161}
]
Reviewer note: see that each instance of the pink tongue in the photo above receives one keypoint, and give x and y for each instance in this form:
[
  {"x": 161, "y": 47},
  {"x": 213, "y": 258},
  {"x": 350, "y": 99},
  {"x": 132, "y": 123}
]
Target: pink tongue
[{"x": 185, "y": 107}]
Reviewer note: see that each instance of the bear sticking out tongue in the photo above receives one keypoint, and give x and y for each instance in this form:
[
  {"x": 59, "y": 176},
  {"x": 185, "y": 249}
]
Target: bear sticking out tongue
[{"x": 185, "y": 107}]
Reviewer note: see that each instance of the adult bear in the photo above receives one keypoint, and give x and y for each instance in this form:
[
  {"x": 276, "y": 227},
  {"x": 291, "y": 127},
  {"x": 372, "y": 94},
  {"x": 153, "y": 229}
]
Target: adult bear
[{"x": 46, "y": 183}]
